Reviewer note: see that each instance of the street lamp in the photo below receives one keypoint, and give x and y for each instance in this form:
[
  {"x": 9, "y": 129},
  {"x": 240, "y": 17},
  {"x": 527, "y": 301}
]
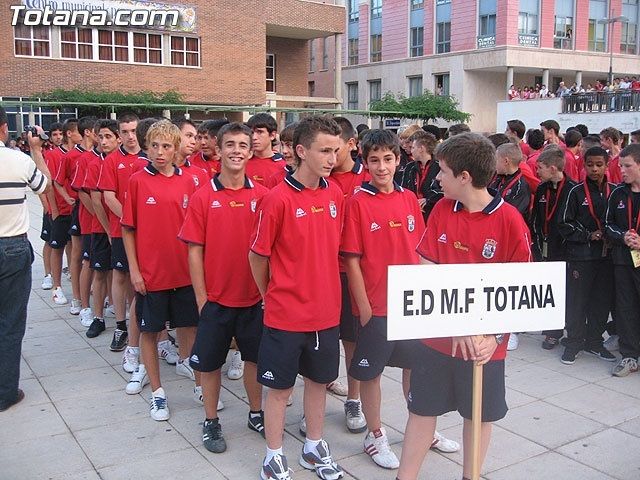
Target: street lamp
[{"x": 611, "y": 21}]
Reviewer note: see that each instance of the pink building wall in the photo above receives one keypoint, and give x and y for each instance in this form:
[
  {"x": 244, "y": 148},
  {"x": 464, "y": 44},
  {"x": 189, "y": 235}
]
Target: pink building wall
[
  {"x": 395, "y": 29},
  {"x": 507, "y": 22},
  {"x": 363, "y": 35},
  {"x": 464, "y": 25},
  {"x": 429, "y": 35},
  {"x": 547, "y": 22},
  {"x": 581, "y": 25}
]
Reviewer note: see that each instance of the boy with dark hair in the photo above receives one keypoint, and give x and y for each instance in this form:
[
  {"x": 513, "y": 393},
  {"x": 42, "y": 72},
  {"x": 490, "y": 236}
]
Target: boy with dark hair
[
  {"x": 264, "y": 162},
  {"x": 286, "y": 143},
  {"x": 583, "y": 129},
  {"x": 294, "y": 261},
  {"x": 457, "y": 129},
  {"x": 573, "y": 163},
  {"x": 470, "y": 215},
  {"x": 420, "y": 175},
  {"x": 188, "y": 134},
  {"x": 589, "y": 267},
  {"x": 509, "y": 181},
  {"x": 517, "y": 129},
  {"x": 535, "y": 140},
  {"x": 551, "y": 131},
  {"x": 206, "y": 157},
  {"x": 433, "y": 130},
  {"x": 230, "y": 306},
  {"x": 634, "y": 137},
  {"x": 610, "y": 140},
  {"x": 622, "y": 226},
  {"x": 153, "y": 214},
  {"x": 548, "y": 244}
]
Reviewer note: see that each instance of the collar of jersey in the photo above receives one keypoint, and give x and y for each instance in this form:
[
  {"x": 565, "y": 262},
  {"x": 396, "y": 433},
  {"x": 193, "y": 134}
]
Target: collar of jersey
[
  {"x": 493, "y": 206},
  {"x": 151, "y": 170},
  {"x": 126, "y": 154},
  {"x": 142, "y": 154},
  {"x": 64, "y": 150},
  {"x": 296, "y": 185},
  {"x": 358, "y": 167},
  {"x": 217, "y": 185},
  {"x": 80, "y": 148},
  {"x": 370, "y": 189},
  {"x": 97, "y": 153}
]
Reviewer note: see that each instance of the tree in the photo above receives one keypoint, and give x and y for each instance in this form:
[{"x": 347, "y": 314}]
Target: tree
[{"x": 427, "y": 106}]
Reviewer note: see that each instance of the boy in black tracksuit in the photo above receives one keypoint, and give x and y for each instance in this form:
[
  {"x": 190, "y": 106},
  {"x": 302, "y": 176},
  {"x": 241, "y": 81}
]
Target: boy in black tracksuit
[
  {"x": 622, "y": 223},
  {"x": 548, "y": 244},
  {"x": 589, "y": 268},
  {"x": 509, "y": 181}
]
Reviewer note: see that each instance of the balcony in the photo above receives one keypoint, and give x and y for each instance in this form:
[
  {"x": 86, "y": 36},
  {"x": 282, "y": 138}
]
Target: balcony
[{"x": 599, "y": 102}]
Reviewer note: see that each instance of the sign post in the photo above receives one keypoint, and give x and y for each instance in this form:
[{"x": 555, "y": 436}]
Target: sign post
[{"x": 434, "y": 301}]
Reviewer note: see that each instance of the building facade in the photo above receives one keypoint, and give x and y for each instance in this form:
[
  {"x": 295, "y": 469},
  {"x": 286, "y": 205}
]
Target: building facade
[{"x": 475, "y": 49}]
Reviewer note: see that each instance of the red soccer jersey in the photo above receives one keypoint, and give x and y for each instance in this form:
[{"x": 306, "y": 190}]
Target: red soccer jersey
[
  {"x": 530, "y": 177},
  {"x": 572, "y": 164},
  {"x": 155, "y": 207},
  {"x": 532, "y": 161},
  {"x": 261, "y": 169},
  {"x": 94, "y": 168},
  {"x": 299, "y": 230},
  {"x": 278, "y": 177},
  {"x": 77, "y": 183},
  {"x": 382, "y": 229},
  {"x": 67, "y": 169},
  {"x": 117, "y": 168},
  {"x": 209, "y": 165},
  {"x": 351, "y": 181},
  {"x": 228, "y": 277},
  {"x": 200, "y": 176},
  {"x": 498, "y": 234},
  {"x": 525, "y": 149},
  {"x": 614, "y": 174},
  {"x": 54, "y": 160}
]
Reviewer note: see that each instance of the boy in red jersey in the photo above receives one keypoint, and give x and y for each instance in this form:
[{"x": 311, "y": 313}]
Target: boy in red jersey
[
  {"x": 153, "y": 214},
  {"x": 188, "y": 134},
  {"x": 230, "y": 306},
  {"x": 206, "y": 157},
  {"x": 573, "y": 163},
  {"x": 294, "y": 261},
  {"x": 492, "y": 231},
  {"x": 610, "y": 140},
  {"x": 113, "y": 183},
  {"x": 264, "y": 162},
  {"x": 286, "y": 145}
]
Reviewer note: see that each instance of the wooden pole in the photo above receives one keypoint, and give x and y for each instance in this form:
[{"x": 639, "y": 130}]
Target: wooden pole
[{"x": 476, "y": 421}]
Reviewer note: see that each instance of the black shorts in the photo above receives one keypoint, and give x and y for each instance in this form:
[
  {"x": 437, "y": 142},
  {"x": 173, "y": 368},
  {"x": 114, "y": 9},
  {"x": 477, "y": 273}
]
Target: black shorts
[
  {"x": 86, "y": 246},
  {"x": 217, "y": 326},
  {"x": 45, "y": 233},
  {"x": 283, "y": 355},
  {"x": 100, "y": 253},
  {"x": 374, "y": 352},
  {"x": 441, "y": 384},
  {"x": 118, "y": 255},
  {"x": 74, "y": 229},
  {"x": 60, "y": 232},
  {"x": 176, "y": 306},
  {"x": 348, "y": 323}
]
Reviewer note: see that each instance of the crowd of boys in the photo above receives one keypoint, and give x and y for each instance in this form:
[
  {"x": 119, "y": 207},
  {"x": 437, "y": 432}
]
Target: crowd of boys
[{"x": 276, "y": 246}]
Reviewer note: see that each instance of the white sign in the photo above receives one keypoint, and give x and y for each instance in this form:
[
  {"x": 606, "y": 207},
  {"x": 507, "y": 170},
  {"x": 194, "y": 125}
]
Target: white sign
[{"x": 431, "y": 301}]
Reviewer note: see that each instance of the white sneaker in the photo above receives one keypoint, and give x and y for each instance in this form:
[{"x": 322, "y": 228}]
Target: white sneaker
[
  {"x": 168, "y": 352},
  {"x": 86, "y": 317},
  {"x": 138, "y": 380},
  {"x": 158, "y": 408},
  {"x": 184, "y": 369},
  {"x": 377, "y": 447},
  {"x": 109, "y": 310},
  {"x": 612, "y": 343},
  {"x": 58, "y": 297},
  {"x": 236, "y": 369},
  {"x": 131, "y": 359},
  {"x": 47, "y": 282},
  {"x": 74, "y": 309},
  {"x": 444, "y": 444},
  {"x": 513, "y": 342},
  {"x": 356, "y": 423},
  {"x": 199, "y": 399}
]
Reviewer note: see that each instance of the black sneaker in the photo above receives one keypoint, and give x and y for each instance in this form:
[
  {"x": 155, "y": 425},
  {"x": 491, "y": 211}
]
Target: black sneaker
[
  {"x": 256, "y": 423},
  {"x": 569, "y": 356},
  {"x": 119, "y": 341},
  {"x": 96, "y": 328},
  {"x": 549, "y": 343},
  {"x": 602, "y": 353},
  {"x": 212, "y": 436}
]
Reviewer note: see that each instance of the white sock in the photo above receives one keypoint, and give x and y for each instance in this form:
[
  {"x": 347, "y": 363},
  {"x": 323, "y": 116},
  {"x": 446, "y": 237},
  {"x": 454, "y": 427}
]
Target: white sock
[
  {"x": 271, "y": 453},
  {"x": 135, "y": 350},
  {"x": 310, "y": 445},
  {"x": 159, "y": 393}
]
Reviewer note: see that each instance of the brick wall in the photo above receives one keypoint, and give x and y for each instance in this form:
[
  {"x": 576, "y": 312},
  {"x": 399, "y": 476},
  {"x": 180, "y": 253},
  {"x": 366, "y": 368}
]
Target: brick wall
[
  {"x": 429, "y": 35},
  {"x": 507, "y": 22},
  {"x": 581, "y": 25},
  {"x": 324, "y": 79},
  {"x": 363, "y": 34},
  {"x": 395, "y": 29},
  {"x": 464, "y": 21}
]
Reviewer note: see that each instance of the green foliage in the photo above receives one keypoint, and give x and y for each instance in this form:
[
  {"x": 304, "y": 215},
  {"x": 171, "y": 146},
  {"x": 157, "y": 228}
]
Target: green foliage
[{"x": 427, "y": 106}]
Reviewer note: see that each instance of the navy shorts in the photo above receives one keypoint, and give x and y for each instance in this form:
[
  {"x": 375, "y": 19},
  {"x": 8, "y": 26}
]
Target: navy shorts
[
  {"x": 374, "y": 352},
  {"x": 217, "y": 326},
  {"x": 283, "y": 355},
  {"x": 60, "y": 232},
  {"x": 45, "y": 233},
  {"x": 348, "y": 323},
  {"x": 100, "y": 253},
  {"x": 86, "y": 246},
  {"x": 118, "y": 255},
  {"x": 74, "y": 228},
  {"x": 441, "y": 383},
  {"x": 176, "y": 306}
]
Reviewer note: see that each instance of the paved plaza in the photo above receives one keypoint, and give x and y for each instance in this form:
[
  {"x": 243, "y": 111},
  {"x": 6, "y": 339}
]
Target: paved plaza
[{"x": 565, "y": 422}]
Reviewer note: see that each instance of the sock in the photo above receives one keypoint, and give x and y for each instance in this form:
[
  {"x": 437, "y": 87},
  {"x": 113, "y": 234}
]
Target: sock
[
  {"x": 271, "y": 453},
  {"x": 211, "y": 420},
  {"x": 122, "y": 325},
  {"x": 310, "y": 445},
  {"x": 253, "y": 414},
  {"x": 98, "y": 318},
  {"x": 377, "y": 433},
  {"x": 135, "y": 350},
  {"x": 159, "y": 393}
]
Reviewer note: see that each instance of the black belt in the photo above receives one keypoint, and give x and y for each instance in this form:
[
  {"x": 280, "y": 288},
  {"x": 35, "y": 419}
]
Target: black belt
[{"x": 22, "y": 235}]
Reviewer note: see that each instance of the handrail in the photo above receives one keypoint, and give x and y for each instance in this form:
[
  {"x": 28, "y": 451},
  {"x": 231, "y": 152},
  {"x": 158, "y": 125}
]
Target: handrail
[{"x": 601, "y": 102}]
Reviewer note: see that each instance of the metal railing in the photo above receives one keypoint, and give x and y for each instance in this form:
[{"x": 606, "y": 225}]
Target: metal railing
[{"x": 600, "y": 102}]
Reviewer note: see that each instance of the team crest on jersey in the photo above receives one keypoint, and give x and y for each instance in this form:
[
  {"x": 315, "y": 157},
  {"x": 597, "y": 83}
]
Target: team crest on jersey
[
  {"x": 196, "y": 181},
  {"x": 216, "y": 204},
  {"x": 585, "y": 202},
  {"x": 543, "y": 199},
  {"x": 333, "y": 210},
  {"x": 185, "y": 201},
  {"x": 443, "y": 238},
  {"x": 621, "y": 205},
  {"x": 254, "y": 203},
  {"x": 489, "y": 248},
  {"x": 411, "y": 223}
]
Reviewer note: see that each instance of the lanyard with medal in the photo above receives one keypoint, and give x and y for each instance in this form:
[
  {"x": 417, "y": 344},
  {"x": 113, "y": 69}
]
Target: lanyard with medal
[
  {"x": 592, "y": 212},
  {"x": 505, "y": 191},
  {"x": 635, "y": 254},
  {"x": 548, "y": 215}
]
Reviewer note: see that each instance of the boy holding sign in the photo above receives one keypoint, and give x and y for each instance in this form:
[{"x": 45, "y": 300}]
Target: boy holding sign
[{"x": 468, "y": 226}]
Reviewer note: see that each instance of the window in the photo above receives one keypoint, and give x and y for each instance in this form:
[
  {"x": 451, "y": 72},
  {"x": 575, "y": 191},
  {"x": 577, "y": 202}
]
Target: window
[
  {"x": 353, "y": 51},
  {"x": 147, "y": 48},
  {"x": 442, "y": 84},
  {"x": 311, "y": 88},
  {"x": 113, "y": 46},
  {"x": 443, "y": 37},
  {"x": 563, "y": 35},
  {"x": 376, "y": 8},
  {"x": 312, "y": 55},
  {"x": 416, "y": 47},
  {"x": 325, "y": 54},
  {"x": 354, "y": 13},
  {"x": 185, "y": 51},
  {"x": 375, "y": 90},
  {"x": 417, "y": 4},
  {"x": 598, "y": 9},
  {"x": 487, "y": 25},
  {"x": 629, "y": 34},
  {"x": 271, "y": 73},
  {"x": 527, "y": 23},
  {"x": 32, "y": 41},
  {"x": 352, "y": 96},
  {"x": 415, "y": 86},
  {"x": 376, "y": 48},
  {"x": 76, "y": 43}
]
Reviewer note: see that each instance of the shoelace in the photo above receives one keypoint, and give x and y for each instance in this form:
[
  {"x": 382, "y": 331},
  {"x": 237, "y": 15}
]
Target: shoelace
[
  {"x": 353, "y": 409},
  {"x": 236, "y": 362},
  {"x": 214, "y": 432},
  {"x": 129, "y": 356},
  {"x": 158, "y": 403},
  {"x": 117, "y": 334}
]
